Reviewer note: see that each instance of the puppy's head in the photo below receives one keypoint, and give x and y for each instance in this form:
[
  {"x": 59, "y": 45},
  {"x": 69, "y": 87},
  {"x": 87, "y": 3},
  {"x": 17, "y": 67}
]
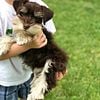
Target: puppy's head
[
  {"x": 32, "y": 13},
  {"x": 30, "y": 18},
  {"x": 18, "y": 27}
]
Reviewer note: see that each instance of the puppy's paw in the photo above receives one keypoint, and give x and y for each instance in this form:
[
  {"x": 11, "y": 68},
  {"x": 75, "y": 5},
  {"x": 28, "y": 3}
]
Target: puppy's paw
[
  {"x": 23, "y": 39},
  {"x": 4, "y": 48},
  {"x": 5, "y": 44}
]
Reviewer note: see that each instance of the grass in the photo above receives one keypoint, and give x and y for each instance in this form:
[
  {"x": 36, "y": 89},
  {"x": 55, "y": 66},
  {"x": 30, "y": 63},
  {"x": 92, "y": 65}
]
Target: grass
[{"x": 78, "y": 33}]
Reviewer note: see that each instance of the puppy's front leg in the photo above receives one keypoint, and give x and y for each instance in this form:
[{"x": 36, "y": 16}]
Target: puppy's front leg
[
  {"x": 22, "y": 37},
  {"x": 5, "y": 44}
]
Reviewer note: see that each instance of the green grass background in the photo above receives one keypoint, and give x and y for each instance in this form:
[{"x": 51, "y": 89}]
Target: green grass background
[{"x": 78, "y": 33}]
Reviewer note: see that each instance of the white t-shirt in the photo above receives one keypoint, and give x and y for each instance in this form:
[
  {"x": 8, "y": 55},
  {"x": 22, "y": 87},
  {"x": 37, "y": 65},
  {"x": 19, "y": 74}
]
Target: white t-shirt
[{"x": 13, "y": 71}]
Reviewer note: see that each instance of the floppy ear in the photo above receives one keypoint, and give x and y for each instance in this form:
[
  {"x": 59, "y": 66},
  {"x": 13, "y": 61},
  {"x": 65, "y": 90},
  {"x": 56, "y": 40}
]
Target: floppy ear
[
  {"x": 38, "y": 11},
  {"x": 47, "y": 13},
  {"x": 43, "y": 12}
]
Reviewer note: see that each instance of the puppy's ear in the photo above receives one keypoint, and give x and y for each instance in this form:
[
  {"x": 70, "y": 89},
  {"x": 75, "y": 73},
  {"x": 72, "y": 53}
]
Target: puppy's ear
[
  {"x": 47, "y": 13},
  {"x": 44, "y": 13},
  {"x": 38, "y": 12}
]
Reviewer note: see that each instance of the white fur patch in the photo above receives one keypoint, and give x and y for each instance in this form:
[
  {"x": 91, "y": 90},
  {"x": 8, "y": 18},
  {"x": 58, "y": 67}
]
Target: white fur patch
[
  {"x": 39, "y": 84},
  {"x": 5, "y": 44}
]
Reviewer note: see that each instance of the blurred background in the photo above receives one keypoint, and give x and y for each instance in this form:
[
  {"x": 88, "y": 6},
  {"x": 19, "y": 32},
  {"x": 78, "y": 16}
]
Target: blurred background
[{"x": 78, "y": 33}]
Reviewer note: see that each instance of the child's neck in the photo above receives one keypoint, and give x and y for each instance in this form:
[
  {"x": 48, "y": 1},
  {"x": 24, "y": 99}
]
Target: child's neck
[{"x": 9, "y": 2}]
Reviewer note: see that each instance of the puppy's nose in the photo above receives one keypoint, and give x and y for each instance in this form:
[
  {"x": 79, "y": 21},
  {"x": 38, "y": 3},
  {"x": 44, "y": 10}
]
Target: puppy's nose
[{"x": 26, "y": 26}]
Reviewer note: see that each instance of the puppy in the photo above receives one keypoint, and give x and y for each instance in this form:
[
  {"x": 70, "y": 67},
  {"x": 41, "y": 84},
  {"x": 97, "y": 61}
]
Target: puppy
[{"x": 46, "y": 61}]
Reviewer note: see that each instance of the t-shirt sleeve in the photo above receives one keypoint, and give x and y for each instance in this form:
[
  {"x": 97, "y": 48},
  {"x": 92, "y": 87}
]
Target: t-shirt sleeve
[
  {"x": 49, "y": 25},
  {"x": 3, "y": 24}
]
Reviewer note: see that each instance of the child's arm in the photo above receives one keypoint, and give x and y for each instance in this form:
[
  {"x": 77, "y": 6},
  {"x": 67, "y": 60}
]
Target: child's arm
[{"x": 38, "y": 42}]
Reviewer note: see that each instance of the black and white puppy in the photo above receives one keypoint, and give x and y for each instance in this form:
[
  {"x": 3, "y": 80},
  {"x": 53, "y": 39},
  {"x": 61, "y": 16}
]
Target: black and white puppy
[{"x": 45, "y": 61}]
